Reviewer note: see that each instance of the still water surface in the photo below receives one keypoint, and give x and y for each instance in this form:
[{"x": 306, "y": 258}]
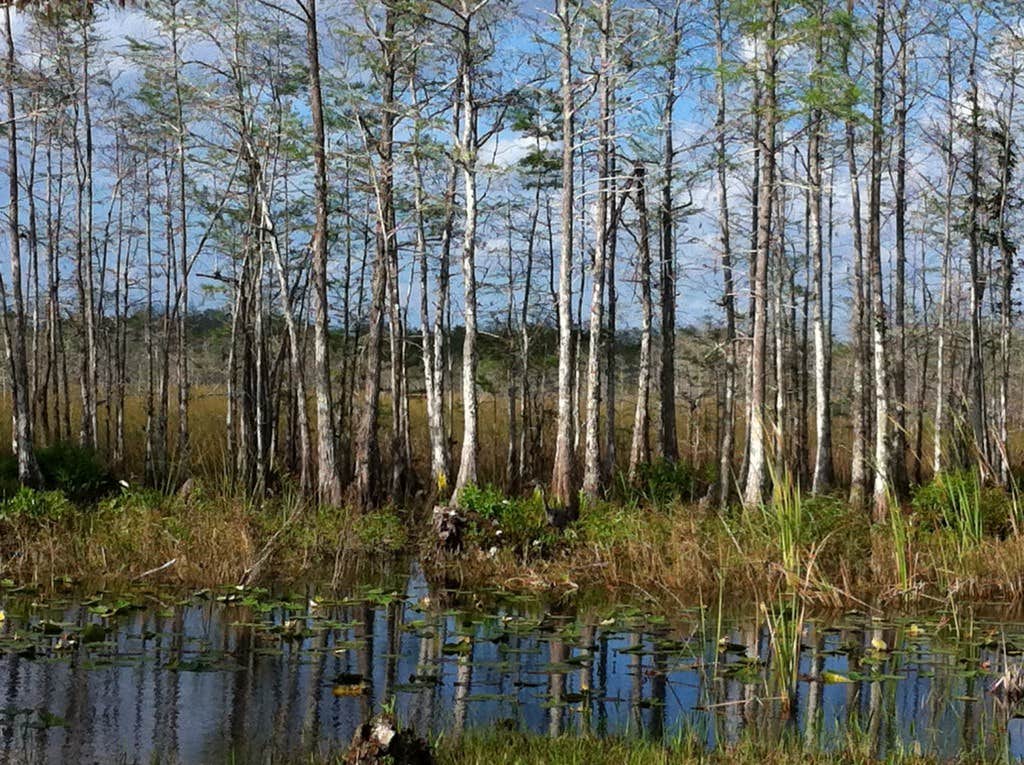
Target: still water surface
[{"x": 246, "y": 676}]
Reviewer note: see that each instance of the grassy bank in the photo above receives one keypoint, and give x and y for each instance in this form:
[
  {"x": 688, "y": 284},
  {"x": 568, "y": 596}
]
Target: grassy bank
[
  {"x": 955, "y": 540},
  {"x": 87, "y": 525},
  {"x": 524, "y": 749}
]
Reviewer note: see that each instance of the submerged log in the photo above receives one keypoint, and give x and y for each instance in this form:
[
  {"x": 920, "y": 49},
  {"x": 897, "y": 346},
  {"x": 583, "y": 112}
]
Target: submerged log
[{"x": 379, "y": 741}]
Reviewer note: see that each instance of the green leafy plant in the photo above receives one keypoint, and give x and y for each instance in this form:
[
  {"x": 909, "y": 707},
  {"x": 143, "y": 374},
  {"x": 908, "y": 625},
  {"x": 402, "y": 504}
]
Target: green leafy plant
[
  {"x": 381, "y": 531},
  {"x": 35, "y": 505},
  {"x": 661, "y": 483},
  {"x": 960, "y": 503}
]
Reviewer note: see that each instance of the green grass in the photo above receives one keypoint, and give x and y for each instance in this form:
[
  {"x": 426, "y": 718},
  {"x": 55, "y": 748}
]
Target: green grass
[{"x": 511, "y": 748}]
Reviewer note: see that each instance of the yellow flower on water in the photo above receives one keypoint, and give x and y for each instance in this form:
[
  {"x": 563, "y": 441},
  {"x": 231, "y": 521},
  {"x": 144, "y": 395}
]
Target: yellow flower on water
[
  {"x": 879, "y": 645},
  {"x": 2, "y": 615}
]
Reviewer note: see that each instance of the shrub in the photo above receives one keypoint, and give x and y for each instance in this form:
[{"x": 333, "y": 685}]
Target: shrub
[
  {"x": 958, "y": 501},
  {"x": 514, "y": 522},
  {"x": 33, "y": 505},
  {"x": 487, "y": 501},
  {"x": 381, "y": 531},
  {"x": 78, "y": 472},
  {"x": 661, "y": 483}
]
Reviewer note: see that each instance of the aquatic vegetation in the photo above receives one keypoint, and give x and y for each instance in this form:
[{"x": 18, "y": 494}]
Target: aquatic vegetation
[{"x": 489, "y": 673}]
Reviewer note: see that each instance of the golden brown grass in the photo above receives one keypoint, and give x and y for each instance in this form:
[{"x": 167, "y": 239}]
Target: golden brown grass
[
  {"x": 213, "y": 539},
  {"x": 689, "y": 555}
]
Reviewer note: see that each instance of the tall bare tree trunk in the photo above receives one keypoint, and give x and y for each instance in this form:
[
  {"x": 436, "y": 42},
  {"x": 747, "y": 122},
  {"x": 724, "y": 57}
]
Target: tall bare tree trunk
[
  {"x": 297, "y": 367},
  {"x": 328, "y": 473},
  {"x": 599, "y": 275},
  {"x": 640, "y": 450},
  {"x": 756, "y": 469},
  {"x": 181, "y": 305},
  {"x": 938, "y": 436},
  {"x": 858, "y": 463},
  {"x": 822, "y": 479},
  {"x": 562, "y": 481},
  {"x": 468, "y": 150},
  {"x": 614, "y": 209},
  {"x": 883, "y": 457},
  {"x": 899, "y": 366},
  {"x": 755, "y": 190},
  {"x": 429, "y": 336},
  {"x": 667, "y": 382},
  {"x": 24, "y": 445},
  {"x": 976, "y": 368},
  {"x": 726, "y": 441},
  {"x": 86, "y": 284},
  {"x": 1007, "y": 267}
]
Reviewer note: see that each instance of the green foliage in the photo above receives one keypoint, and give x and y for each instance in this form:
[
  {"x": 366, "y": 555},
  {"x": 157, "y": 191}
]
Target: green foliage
[
  {"x": 80, "y": 473},
  {"x": 77, "y": 472},
  {"x": 662, "y": 483},
  {"x": 611, "y": 523},
  {"x": 135, "y": 498},
  {"x": 29, "y": 504},
  {"x": 785, "y": 519},
  {"x": 958, "y": 501},
  {"x": 900, "y": 530},
  {"x": 381, "y": 531},
  {"x": 519, "y": 523},
  {"x": 487, "y": 501}
]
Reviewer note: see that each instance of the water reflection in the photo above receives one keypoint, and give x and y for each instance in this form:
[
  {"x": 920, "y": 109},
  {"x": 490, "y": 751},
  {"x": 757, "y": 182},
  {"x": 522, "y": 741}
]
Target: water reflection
[{"x": 203, "y": 680}]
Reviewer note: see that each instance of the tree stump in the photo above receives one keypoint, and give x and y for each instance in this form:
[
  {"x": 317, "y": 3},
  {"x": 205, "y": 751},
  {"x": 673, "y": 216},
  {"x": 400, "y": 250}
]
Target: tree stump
[{"x": 379, "y": 741}]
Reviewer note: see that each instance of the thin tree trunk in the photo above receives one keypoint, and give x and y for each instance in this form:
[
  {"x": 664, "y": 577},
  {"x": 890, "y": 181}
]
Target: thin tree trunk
[
  {"x": 756, "y": 471},
  {"x": 434, "y": 403},
  {"x": 728, "y": 428},
  {"x": 976, "y": 368},
  {"x": 938, "y": 457},
  {"x": 87, "y": 433},
  {"x": 883, "y": 456},
  {"x": 562, "y": 482},
  {"x": 328, "y": 473},
  {"x": 296, "y": 366},
  {"x": 1007, "y": 252},
  {"x": 639, "y": 453},
  {"x": 592, "y": 449},
  {"x": 899, "y": 370},
  {"x": 468, "y": 152},
  {"x": 14, "y": 325},
  {"x": 858, "y": 464},
  {"x": 181, "y": 305},
  {"x": 614, "y": 209},
  {"x": 667, "y": 382}
]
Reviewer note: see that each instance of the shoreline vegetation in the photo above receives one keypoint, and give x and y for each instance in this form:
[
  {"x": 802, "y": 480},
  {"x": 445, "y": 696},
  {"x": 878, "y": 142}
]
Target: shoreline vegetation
[
  {"x": 507, "y": 748},
  {"x": 955, "y": 541}
]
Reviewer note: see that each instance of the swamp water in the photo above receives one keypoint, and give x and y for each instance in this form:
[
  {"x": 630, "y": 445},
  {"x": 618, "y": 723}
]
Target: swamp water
[{"x": 245, "y": 676}]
